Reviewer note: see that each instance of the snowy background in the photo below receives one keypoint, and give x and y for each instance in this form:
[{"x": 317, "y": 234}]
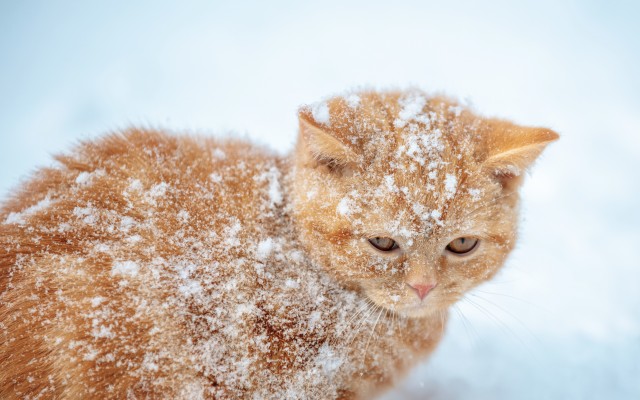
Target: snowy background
[{"x": 563, "y": 319}]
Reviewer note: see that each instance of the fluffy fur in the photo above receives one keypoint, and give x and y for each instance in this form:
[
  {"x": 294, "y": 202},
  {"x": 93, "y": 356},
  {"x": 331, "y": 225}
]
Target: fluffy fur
[{"x": 146, "y": 265}]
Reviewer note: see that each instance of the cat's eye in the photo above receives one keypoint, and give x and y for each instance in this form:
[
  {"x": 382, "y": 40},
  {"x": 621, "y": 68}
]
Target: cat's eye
[
  {"x": 384, "y": 243},
  {"x": 463, "y": 245}
]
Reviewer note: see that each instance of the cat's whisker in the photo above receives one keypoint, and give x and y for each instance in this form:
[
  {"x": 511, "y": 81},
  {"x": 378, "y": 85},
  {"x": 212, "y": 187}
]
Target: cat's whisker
[
  {"x": 503, "y": 326},
  {"x": 354, "y": 334},
  {"x": 518, "y": 320},
  {"x": 465, "y": 321},
  {"x": 386, "y": 322},
  {"x": 511, "y": 297},
  {"x": 375, "y": 324},
  {"x": 337, "y": 336},
  {"x": 361, "y": 323},
  {"x": 394, "y": 321},
  {"x": 505, "y": 329},
  {"x": 360, "y": 315},
  {"x": 362, "y": 308},
  {"x": 386, "y": 319}
]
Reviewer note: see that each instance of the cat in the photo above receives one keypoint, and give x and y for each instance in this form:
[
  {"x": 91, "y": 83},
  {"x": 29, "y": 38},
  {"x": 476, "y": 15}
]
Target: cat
[{"x": 150, "y": 265}]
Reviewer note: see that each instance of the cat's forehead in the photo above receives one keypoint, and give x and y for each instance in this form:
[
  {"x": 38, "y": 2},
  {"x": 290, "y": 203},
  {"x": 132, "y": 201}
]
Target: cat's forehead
[
  {"x": 417, "y": 151},
  {"x": 396, "y": 126},
  {"x": 405, "y": 136}
]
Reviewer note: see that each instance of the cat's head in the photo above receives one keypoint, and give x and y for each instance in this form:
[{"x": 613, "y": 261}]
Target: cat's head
[{"x": 411, "y": 199}]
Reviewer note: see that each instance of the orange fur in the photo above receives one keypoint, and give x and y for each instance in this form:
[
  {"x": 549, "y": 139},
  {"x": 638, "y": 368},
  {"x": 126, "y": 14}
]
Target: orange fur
[{"x": 146, "y": 265}]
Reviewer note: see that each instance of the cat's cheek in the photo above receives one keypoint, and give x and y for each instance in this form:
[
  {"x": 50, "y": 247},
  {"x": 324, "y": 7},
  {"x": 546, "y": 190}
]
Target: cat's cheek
[
  {"x": 383, "y": 297},
  {"x": 392, "y": 295},
  {"x": 464, "y": 275}
]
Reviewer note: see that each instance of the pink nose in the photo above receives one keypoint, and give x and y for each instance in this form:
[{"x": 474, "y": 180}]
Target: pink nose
[{"x": 422, "y": 288}]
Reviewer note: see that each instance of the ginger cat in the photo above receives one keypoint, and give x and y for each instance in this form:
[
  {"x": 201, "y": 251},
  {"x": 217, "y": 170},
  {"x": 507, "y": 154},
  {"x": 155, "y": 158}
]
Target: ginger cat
[{"x": 146, "y": 265}]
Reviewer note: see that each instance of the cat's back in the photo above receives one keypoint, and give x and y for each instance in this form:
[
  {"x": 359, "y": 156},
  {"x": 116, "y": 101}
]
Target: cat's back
[{"x": 102, "y": 258}]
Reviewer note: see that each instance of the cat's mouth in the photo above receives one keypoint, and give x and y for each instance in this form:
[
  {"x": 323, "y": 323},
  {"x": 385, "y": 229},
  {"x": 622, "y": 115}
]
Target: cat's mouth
[{"x": 407, "y": 304}]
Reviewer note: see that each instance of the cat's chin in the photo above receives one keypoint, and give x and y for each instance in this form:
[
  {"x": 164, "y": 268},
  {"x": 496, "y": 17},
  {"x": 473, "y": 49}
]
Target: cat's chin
[
  {"x": 420, "y": 311},
  {"x": 417, "y": 312}
]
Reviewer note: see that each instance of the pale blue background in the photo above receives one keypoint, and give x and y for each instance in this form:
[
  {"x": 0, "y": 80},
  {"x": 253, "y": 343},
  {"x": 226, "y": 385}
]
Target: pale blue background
[{"x": 564, "y": 317}]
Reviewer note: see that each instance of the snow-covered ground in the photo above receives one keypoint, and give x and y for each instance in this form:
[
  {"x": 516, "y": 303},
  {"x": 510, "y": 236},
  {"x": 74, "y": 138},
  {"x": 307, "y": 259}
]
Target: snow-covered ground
[{"x": 563, "y": 320}]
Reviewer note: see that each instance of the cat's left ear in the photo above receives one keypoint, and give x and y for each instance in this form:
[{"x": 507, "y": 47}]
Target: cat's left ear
[
  {"x": 511, "y": 150},
  {"x": 323, "y": 145}
]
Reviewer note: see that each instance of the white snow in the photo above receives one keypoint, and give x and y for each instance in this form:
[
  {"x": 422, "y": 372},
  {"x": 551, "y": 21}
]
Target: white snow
[
  {"x": 353, "y": 100},
  {"x": 390, "y": 184},
  {"x": 15, "y": 218},
  {"x": 231, "y": 234},
  {"x": 450, "y": 185},
  {"x": 102, "y": 248},
  {"x": 125, "y": 268},
  {"x": 91, "y": 354},
  {"x": 475, "y": 194},
  {"x": 420, "y": 210},
  {"x": 190, "y": 287},
  {"x": 157, "y": 190},
  {"x": 328, "y": 359},
  {"x": 272, "y": 179},
  {"x": 292, "y": 284},
  {"x": 411, "y": 107},
  {"x": 265, "y": 248},
  {"x": 85, "y": 178},
  {"x": 133, "y": 239},
  {"x": 96, "y": 301},
  {"x": 314, "y": 318},
  {"x": 86, "y": 214},
  {"x": 345, "y": 206},
  {"x": 215, "y": 177},
  {"x": 102, "y": 331},
  {"x": 219, "y": 154},
  {"x": 149, "y": 362},
  {"x": 127, "y": 223},
  {"x": 320, "y": 112},
  {"x": 424, "y": 147},
  {"x": 183, "y": 216},
  {"x": 19, "y": 217},
  {"x": 311, "y": 193},
  {"x": 135, "y": 185},
  {"x": 275, "y": 193}
]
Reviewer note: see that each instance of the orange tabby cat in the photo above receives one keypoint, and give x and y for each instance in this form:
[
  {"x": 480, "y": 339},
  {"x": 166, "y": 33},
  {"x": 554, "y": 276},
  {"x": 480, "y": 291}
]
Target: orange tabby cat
[{"x": 145, "y": 265}]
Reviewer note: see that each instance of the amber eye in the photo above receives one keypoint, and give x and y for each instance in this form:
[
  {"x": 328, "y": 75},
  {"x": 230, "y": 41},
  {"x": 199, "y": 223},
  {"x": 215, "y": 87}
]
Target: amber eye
[
  {"x": 384, "y": 243},
  {"x": 463, "y": 245}
]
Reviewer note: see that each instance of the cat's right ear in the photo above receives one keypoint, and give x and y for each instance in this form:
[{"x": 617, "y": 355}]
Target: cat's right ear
[
  {"x": 511, "y": 149},
  {"x": 323, "y": 146}
]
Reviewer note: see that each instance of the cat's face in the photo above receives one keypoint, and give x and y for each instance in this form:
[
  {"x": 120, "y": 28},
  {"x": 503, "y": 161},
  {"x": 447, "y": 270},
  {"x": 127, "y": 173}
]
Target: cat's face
[{"x": 410, "y": 199}]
